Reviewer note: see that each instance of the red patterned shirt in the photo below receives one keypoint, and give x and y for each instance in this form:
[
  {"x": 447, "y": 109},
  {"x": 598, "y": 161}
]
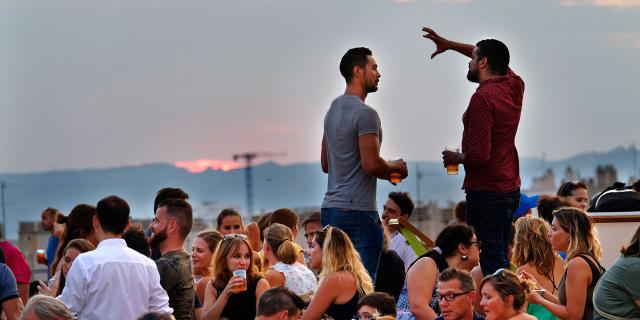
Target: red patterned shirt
[{"x": 488, "y": 141}]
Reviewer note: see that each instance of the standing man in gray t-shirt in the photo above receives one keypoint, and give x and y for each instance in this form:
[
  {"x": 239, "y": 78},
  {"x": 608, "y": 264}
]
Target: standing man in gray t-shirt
[{"x": 351, "y": 157}]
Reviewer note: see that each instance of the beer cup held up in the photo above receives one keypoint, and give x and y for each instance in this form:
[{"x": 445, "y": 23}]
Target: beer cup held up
[
  {"x": 395, "y": 177},
  {"x": 452, "y": 169},
  {"x": 242, "y": 273}
]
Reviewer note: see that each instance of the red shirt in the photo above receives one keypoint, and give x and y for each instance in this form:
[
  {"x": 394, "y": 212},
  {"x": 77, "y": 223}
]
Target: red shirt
[
  {"x": 490, "y": 123},
  {"x": 16, "y": 262}
]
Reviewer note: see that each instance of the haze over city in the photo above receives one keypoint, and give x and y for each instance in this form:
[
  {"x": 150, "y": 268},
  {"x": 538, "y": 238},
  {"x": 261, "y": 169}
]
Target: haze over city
[{"x": 110, "y": 83}]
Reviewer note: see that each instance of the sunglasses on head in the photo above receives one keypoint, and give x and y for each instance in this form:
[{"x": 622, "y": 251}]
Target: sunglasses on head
[{"x": 235, "y": 235}]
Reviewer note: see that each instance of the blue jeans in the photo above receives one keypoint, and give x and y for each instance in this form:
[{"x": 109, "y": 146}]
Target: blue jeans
[
  {"x": 491, "y": 215},
  {"x": 363, "y": 228}
]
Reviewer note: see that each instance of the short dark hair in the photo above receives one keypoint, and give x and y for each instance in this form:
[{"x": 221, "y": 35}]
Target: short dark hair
[
  {"x": 137, "y": 239},
  {"x": 168, "y": 193},
  {"x": 314, "y": 217},
  {"x": 50, "y": 211},
  {"x": 181, "y": 211},
  {"x": 381, "y": 301},
  {"x": 113, "y": 214},
  {"x": 546, "y": 205},
  {"x": 275, "y": 300},
  {"x": 353, "y": 57},
  {"x": 496, "y": 53},
  {"x": 284, "y": 216},
  {"x": 466, "y": 280},
  {"x": 227, "y": 212},
  {"x": 403, "y": 200}
]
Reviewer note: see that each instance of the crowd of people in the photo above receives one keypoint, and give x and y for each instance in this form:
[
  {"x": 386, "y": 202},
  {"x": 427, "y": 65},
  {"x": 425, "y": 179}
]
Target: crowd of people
[{"x": 496, "y": 261}]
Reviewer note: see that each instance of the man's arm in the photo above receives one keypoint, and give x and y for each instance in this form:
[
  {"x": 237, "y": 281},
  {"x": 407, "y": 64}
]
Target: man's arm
[
  {"x": 323, "y": 156},
  {"x": 443, "y": 44},
  {"x": 373, "y": 164}
]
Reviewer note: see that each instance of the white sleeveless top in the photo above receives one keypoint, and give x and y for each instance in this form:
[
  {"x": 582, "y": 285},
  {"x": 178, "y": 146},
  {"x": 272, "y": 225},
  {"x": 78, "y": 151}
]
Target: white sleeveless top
[{"x": 298, "y": 278}]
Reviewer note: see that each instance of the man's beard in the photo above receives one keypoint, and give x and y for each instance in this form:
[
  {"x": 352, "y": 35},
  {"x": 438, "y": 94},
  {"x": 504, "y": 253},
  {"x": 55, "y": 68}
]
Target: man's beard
[
  {"x": 158, "y": 238},
  {"x": 371, "y": 87},
  {"x": 473, "y": 76}
]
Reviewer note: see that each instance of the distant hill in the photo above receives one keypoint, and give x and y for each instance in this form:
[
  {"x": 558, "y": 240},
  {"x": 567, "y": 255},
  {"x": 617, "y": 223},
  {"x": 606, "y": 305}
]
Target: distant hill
[{"x": 275, "y": 186}]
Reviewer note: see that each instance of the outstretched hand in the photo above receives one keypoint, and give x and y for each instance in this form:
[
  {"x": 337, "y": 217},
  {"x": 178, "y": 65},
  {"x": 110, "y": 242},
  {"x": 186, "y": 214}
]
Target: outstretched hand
[{"x": 441, "y": 43}]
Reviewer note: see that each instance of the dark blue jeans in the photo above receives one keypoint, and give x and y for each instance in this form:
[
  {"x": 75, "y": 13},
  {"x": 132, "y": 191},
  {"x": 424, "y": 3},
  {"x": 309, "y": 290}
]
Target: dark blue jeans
[
  {"x": 365, "y": 231},
  {"x": 491, "y": 214}
]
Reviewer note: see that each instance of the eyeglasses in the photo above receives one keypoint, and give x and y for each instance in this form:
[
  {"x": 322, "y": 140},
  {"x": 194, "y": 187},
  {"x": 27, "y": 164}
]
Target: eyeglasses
[
  {"x": 233, "y": 236},
  {"x": 449, "y": 297},
  {"x": 478, "y": 243}
]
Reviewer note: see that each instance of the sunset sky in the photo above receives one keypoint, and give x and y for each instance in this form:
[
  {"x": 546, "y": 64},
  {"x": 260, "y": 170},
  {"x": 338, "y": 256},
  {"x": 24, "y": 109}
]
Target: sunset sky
[{"x": 92, "y": 84}]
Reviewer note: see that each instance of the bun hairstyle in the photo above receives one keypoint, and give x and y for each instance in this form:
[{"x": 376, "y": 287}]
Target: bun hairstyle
[
  {"x": 280, "y": 239},
  {"x": 62, "y": 219},
  {"x": 506, "y": 283}
]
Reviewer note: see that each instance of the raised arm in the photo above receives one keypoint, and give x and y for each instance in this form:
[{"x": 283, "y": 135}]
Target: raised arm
[{"x": 443, "y": 44}]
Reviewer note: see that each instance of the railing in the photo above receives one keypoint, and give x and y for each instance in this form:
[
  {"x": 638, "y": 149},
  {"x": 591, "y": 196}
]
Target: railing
[{"x": 615, "y": 229}]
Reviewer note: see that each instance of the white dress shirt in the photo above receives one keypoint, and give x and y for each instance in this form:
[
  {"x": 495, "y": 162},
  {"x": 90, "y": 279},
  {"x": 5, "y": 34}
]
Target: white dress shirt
[
  {"x": 113, "y": 282},
  {"x": 400, "y": 245}
]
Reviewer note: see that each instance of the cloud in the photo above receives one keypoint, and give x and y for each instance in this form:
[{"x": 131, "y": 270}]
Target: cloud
[
  {"x": 201, "y": 165},
  {"x": 627, "y": 39},
  {"x": 602, "y": 3}
]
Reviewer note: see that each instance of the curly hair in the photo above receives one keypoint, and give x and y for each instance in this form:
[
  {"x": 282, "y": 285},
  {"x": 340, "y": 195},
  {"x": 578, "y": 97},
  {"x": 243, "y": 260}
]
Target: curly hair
[{"x": 532, "y": 245}]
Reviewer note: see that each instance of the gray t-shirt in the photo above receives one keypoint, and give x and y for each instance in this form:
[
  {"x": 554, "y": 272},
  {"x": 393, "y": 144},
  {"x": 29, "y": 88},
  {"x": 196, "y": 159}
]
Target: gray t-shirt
[
  {"x": 349, "y": 186},
  {"x": 617, "y": 290}
]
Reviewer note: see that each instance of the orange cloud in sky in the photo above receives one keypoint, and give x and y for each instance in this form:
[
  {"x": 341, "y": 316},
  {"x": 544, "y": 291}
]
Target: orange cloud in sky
[
  {"x": 201, "y": 165},
  {"x": 602, "y": 3}
]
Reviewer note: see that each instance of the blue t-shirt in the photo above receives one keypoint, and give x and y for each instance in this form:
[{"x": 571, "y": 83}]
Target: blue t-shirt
[
  {"x": 52, "y": 245},
  {"x": 8, "y": 286}
]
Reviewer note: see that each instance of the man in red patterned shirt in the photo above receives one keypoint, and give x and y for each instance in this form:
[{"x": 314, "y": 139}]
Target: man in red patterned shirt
[{"x": 489, "y": 155}]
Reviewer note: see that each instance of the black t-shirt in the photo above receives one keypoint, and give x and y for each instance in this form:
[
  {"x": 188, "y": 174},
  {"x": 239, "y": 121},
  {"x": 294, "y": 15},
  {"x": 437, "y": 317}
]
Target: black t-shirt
[{"x": 391, "y": 274}]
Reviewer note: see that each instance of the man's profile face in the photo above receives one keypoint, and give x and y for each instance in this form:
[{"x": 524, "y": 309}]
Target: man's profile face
[
  {"x": 371, "y": 75},
  {"x": 159, "y": 227},
  {"x": 390, "y": 210},
  {"x": 473, "y": 74},
  {"x": 46, "y": 219},
  {"x": 461, "y": 304},
  {"x": 309, "y": 229}
]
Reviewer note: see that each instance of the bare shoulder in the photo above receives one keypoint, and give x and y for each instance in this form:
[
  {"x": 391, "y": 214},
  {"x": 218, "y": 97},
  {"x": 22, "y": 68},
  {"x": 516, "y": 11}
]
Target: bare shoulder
[{"x": 339, "y": 279}]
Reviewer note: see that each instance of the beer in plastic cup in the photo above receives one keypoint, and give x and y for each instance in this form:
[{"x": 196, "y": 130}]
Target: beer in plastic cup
[
  {"x": 452, "y": 169},
  {"x": 40, "y": 256},
  {"x": 395, "y": 177},
  {"x": 242, "y": 273}
]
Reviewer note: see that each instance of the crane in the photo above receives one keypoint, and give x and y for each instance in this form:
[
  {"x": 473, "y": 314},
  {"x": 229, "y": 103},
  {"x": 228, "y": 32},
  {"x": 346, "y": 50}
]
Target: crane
[{"x": 248, "y": 158}]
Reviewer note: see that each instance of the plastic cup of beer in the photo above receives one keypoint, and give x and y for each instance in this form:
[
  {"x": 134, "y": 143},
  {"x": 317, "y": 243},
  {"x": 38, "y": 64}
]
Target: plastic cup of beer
[
  {"x": 452, "y": 169},
  {"x": 395, "y": 177},
  {"x": 242, "y": 273},
  {"x": 40, "y": 256}
]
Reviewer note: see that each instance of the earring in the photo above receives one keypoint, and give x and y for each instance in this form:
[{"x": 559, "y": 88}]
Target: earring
[{"x": 465, "y": 258}]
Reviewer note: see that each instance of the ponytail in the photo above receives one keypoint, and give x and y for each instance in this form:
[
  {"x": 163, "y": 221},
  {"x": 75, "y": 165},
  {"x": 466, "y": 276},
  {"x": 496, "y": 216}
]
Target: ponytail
[{"x": 279, "y": 237}]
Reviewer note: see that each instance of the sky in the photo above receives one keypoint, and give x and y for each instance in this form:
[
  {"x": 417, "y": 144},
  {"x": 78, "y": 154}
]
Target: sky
[{"x": 93, "y": 84}]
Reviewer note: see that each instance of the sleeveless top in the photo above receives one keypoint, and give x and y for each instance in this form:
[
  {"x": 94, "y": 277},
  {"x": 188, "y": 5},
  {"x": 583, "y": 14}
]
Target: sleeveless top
[
  {"x": 404, "y": 312},
  {"x": 298, "y": 278},
  {"x": 540, "y": 312},
  {"x": 241, "y": 305},
  {"x": 344, "y": 311},
  {"x": 596, "y": 273}
]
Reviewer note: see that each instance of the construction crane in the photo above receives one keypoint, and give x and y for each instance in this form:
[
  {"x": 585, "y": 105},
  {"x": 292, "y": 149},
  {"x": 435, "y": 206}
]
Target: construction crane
[{"x": 248, "y": 158}]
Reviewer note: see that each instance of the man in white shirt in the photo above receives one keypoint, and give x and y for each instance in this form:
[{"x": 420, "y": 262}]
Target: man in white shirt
[
  {"x": 113, "y": 281},
  {"x": 399, "y": 204}
]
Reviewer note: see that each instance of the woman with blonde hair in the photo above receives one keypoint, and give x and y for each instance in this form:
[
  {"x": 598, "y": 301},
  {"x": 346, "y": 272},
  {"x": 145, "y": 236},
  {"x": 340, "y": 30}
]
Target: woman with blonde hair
[
  {"x": 202, "y": 251},
  {"x": 287, "y": 272},
  {"x": 343, "y": 279},
  {"x": 229, "y": 295},
  {"x": 573, "y": 232},
  {"x": 533, "y": 253}
]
